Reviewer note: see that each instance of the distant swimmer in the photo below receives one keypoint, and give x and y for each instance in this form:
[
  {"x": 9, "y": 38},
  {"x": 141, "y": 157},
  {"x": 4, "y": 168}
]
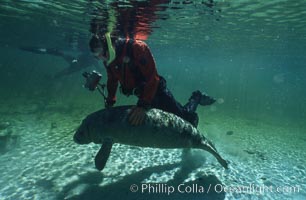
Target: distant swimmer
[
  {"x": 159, "y": 130},
  {"x": 82, "y": 61}
]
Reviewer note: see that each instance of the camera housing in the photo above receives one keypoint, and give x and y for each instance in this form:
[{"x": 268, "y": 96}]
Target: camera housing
[{"x": 92, "y": 80}]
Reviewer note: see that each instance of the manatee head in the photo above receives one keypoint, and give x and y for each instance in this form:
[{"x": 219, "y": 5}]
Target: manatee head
[
  {"x": 82, "y": 135},
  {"x": 91, "y": 129}
]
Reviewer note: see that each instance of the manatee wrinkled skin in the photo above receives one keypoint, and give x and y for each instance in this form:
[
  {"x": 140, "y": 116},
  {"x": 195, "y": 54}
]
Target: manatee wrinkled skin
[{"x": 159, "y": 130}]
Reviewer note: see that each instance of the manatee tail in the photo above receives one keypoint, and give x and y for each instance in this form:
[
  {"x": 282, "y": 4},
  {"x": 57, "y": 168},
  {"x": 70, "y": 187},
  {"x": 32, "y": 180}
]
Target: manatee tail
[{"x": 208, "y": 146}]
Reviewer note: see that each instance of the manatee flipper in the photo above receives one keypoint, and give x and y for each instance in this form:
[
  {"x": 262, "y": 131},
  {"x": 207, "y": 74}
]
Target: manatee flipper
[{"x": 103, "y": 154}]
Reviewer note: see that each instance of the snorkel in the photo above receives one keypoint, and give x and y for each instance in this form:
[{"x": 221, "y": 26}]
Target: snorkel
[
  {"x": 110, "y": 27},
  {"x": 111, "y": 50}
]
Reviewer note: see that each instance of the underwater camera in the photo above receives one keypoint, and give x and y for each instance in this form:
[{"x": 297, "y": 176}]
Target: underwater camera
[{"x": 92, "y": 80}]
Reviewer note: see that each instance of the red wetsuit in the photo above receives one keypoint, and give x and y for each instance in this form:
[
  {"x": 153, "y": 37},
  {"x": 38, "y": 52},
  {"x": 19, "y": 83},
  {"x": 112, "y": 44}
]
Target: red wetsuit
[{"x": 138, "y": 72}]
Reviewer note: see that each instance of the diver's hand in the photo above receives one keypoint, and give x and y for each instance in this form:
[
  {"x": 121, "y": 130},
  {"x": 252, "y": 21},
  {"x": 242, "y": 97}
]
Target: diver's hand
[{"x": 137, "y": 116}]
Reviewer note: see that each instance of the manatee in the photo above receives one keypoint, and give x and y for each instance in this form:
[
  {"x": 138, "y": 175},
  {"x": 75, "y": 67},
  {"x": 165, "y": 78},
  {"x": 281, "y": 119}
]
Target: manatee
[{"x": 159, "y": 130}]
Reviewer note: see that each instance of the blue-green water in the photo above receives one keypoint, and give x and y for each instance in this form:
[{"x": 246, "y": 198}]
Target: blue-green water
[{"x": 247, "y": 54}]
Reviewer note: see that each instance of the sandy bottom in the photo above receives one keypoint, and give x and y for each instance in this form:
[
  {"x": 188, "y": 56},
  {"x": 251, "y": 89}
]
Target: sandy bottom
[{"x": 39, "y": 160}]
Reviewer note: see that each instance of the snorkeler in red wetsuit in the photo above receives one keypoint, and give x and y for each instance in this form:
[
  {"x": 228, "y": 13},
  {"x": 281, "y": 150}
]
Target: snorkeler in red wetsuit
[
  {"x": 130, "y": 63},
  {"x": 133, "y": 66}
]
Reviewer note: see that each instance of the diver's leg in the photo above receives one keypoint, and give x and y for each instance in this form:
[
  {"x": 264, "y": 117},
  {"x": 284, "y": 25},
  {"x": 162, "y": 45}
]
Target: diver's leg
[{"x": 164, "y": 100}]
